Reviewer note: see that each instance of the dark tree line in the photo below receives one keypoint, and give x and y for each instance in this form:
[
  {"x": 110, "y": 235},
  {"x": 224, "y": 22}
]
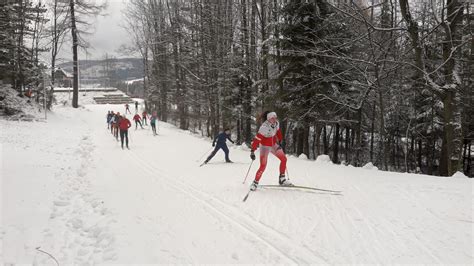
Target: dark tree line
[
  {"x": 22, "y": 25},
  {"x": 385, "y": 81}
]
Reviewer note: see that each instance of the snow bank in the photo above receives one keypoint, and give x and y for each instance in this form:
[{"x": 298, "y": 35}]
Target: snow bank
[
  {"x": 459, "y": 175},
  {"x": 323, "y": 159},
  {"x": 370, "y": 166},
  {"x": 18, "y": 108},
  {"x": 303, "y": 156}
]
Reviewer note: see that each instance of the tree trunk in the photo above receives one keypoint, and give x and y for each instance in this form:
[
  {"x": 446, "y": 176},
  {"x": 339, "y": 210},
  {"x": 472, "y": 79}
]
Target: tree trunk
[
  {"x": 347, "y": 141},
  {"x": 75, "y": 70},
  {"x": 306, "y": 139},
  {"x": 372, "y": 133},
  {"x": 54, "y": 45},
  {"x": 247, "y": 107},
  {"x": 448, "y": 147},
  {"x": 359, "y": 138},
  {"x": 335, "y": 157},
  {"x": 419, "y": 157},
  {"x": 325, "y": 140},
  {"x": 20, "y": 79}
]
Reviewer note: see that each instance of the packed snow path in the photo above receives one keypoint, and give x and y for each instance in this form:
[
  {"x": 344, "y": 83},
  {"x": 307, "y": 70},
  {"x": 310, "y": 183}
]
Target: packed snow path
[{"x": 69, "y": 190}]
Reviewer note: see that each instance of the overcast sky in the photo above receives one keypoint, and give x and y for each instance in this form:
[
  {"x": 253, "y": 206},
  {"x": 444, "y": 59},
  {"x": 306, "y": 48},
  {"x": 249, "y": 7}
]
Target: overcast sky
[{"x": 107, "y": 35}]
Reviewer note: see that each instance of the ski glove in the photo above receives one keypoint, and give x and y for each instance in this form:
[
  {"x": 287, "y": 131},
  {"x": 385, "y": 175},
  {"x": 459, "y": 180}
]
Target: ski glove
[
  {"x": 213, "y": 144},
  {"x": 280, "y": 145},
  {"x": 252, "y": 155}
]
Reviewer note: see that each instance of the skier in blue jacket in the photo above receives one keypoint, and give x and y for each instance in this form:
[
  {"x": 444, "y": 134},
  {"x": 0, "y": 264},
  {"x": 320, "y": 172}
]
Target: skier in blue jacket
[{"x": 221, "y": 144}]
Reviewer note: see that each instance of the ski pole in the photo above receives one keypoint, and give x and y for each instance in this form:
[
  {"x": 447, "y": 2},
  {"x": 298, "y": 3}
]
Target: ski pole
[
  {"x": 248, "y": 172},
  {"x": 287, "y": 174},
  {"x": 200, "y": 158}
]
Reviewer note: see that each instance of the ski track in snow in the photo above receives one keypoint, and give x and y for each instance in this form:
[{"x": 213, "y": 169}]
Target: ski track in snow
[
  {"x": 154, "y": 204},
  {"x": 282, "y": 245}
]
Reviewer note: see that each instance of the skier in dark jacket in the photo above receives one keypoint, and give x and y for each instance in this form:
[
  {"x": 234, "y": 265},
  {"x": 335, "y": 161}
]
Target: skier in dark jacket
[
  {"x": 153, "y": 121},
  {"x": 221, "y": 144},
  {"x": 109, "y": 116}
]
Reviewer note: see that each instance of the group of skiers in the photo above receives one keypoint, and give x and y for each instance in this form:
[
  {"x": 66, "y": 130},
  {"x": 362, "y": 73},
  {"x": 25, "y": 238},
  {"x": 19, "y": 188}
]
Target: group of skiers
[
  {"x": 119, "y": 124},
  {"x": 269, "y": 138},
  {"x": 127, "y": 108}
]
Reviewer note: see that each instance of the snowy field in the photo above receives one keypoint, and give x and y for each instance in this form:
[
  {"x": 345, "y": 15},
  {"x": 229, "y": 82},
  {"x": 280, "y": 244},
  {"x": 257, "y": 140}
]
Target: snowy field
[{"x": 70, "y": 192}]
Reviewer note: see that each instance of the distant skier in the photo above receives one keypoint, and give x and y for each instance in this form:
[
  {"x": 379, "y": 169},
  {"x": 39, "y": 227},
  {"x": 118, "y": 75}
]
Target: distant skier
[
  {"x": 127, "y": 109},
  {"x": 153, "y": 121},
  {"x": 124, "y": 124},
  {"x": 144, "y": 114},
  {"x": 112, "y": 122},
  {"x": 109, "y": 117},
  {"x": 137, "y": 119},
  {"x": 269, "y": 138},
  {"x": 116, "y": 118},
  {"x": 136, "y": 106},
  {"x": 221, "y": 144}
]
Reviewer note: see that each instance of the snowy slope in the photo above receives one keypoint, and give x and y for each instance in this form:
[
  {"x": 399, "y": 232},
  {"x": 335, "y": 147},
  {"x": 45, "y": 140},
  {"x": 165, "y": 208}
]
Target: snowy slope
[{"x": 68, "y": 188}]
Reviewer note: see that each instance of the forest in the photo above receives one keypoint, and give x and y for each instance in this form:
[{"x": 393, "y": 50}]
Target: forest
[{"x": 382, "y": 81}]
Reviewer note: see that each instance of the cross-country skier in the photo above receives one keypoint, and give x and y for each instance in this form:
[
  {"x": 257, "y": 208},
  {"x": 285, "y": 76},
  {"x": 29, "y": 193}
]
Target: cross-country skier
[
  {"x": 144, "y": 115},
  {"x": 127, "y": 109},
  {"x": 221, "y": 144},
  {"x": 112, "y": 122},
  {"x": 137, "y": 119},
  {"x": 124, "y": 124},
  {"x": 269, "y": 139},
  {"x": 117, "y": 119},
  {"x": 109, "y": 116},
  {"x": 136, "y": 106},
  {"x": 153, "y": 121}
]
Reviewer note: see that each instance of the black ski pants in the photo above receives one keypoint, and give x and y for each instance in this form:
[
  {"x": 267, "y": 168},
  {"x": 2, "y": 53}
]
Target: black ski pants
[
  {"x": 216, "y": 149},
  {"x": 138, "y": 122},
  {"x": 124, "y": 135}
]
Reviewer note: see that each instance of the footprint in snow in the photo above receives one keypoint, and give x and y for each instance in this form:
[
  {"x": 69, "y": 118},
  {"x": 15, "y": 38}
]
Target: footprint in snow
[
  {"x": 235, "y": 256},
  {"x": 61, "y": 203}
]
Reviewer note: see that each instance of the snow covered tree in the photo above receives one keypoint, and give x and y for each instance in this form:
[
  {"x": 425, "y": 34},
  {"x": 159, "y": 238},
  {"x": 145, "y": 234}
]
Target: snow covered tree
[
  {"x": 443, "y": 79},
  {"x": 20, "y": 21},
  {"x": 80, "y": 11}
]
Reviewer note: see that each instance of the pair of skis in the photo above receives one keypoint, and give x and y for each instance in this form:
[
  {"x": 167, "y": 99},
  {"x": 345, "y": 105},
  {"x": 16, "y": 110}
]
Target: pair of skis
[{"x": 334, "y": 192}]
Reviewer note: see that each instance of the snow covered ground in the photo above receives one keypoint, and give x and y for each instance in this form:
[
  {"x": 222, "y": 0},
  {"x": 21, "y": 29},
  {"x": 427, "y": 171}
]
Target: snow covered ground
[
  {"x": 86, "y": 97},
  {"x": 69, "y": 191}
]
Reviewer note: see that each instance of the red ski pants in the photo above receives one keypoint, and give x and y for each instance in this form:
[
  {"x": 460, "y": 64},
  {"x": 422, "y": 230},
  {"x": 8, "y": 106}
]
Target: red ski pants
[{"x": 264, "y": 151}]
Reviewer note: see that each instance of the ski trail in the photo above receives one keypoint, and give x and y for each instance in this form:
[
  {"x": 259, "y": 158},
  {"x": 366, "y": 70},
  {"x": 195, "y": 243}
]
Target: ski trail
[
  {"x": 79, "y": 219},
  {"x": 247, "y": 229},
  {"x": 155, "y": 228},
  {"x": 273, "y": 239}
]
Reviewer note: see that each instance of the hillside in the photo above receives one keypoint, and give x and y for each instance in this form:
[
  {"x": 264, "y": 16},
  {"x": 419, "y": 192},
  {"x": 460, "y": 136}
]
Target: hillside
[{"x": 76, "y": 195}]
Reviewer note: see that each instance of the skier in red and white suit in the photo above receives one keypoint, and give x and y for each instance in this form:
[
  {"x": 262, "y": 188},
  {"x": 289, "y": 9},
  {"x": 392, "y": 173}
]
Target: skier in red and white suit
[{"x": 269, "y": 138}]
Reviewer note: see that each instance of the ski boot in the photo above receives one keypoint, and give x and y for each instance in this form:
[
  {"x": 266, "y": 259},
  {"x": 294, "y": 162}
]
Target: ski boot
[
  {"x": 283, "y": 181},
  {"x": 254, "y": 185}
]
